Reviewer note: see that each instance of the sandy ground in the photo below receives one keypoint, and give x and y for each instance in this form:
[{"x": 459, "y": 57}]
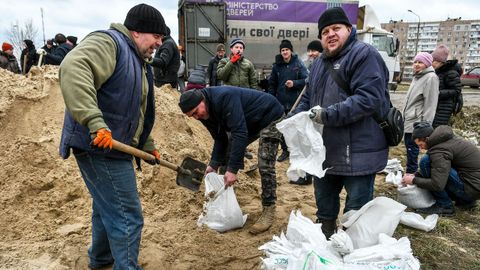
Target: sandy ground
[{"x": 45, "y": 207}]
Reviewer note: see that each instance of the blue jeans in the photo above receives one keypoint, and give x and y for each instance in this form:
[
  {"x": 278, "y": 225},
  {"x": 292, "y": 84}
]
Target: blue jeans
[
  {"x": 327, "y": 193},
  {"x": 412, "y": 153},
  {"x": 117, "y": 219},
  {"x": 454, "y": 190}
]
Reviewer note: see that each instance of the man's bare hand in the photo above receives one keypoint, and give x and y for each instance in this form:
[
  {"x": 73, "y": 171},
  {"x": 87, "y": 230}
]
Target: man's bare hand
[{"x": 229, "y": 179}]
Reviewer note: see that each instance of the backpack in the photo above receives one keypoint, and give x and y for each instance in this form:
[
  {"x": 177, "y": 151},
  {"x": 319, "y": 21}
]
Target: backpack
[{"x": 391, "y": 123}]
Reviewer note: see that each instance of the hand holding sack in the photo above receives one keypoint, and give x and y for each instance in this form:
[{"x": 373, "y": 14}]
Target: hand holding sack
[
  {"x": 316, "y": 115},
  {"x": 41, "y": 52}
]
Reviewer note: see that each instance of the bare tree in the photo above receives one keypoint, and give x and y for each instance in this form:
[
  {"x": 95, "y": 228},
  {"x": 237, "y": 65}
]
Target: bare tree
[{"x": 18, "y": 33}]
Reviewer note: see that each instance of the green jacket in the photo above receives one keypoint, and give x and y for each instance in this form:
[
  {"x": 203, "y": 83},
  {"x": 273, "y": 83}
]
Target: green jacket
[
  {"x": 84, "y": 70},
  {"x": 241, "y": 74}
]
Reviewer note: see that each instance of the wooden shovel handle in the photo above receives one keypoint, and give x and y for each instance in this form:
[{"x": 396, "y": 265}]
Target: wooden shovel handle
[{"x": 141, "y": 154}]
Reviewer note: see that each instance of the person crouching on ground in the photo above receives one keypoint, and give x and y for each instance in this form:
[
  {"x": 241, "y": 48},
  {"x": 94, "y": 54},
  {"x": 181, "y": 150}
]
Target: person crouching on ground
[
  {"x": 236, "y": 117},
  {"x": 450, "y": 169}
]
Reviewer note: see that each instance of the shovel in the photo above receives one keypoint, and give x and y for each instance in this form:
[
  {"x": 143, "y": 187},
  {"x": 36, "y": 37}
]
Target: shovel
[{"x": 189, "y": 174}]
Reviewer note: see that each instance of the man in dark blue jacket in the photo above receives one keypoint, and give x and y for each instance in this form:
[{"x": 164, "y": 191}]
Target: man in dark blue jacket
[
  {"x": 356, "y": 147},
  {"x": 286, "y": 82},
  {"x": 235, "y": 117}
]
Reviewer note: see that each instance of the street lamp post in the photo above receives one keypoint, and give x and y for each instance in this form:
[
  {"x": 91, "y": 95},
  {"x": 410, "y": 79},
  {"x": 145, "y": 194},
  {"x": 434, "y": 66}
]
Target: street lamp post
[{"x": 418, "y": 30}]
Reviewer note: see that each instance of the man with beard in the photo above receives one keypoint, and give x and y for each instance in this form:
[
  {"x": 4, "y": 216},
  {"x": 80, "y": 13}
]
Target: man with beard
[
  {"x": 107, "y": 86},
  {"x": 349, "y": 83}
]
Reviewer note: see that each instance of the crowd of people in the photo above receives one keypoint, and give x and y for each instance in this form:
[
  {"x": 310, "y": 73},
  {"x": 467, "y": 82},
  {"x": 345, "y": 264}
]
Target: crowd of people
[
  {"x": 52, "y": 53},
  {"x": 225, "y": 97}
]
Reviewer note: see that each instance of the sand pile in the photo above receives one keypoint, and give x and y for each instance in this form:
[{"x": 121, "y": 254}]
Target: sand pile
[{"x": 45, "y": 206}]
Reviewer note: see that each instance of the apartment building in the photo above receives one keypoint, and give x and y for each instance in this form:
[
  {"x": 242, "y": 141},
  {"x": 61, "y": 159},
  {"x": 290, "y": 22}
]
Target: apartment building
[{"x": 461, "y": 36}]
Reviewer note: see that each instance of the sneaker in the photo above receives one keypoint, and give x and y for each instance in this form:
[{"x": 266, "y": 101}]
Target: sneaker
[
  {"x": 302, "y": 181},
  {"x": 283, "y": 156},
  {"x": 436, "y": 209}
]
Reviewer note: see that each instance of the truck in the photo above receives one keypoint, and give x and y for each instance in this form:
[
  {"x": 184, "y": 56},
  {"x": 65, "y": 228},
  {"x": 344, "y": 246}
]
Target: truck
[{"x": 262, "y": 24}]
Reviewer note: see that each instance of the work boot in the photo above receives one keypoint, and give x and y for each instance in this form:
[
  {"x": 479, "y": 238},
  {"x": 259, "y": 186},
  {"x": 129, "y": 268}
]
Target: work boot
[
  {"x": 265, "y": 220},
  {"x": 437, "y": 209},
  {"x": 285, "y": 154},
  {"x": 328, "y": 226},
  {"x": 466, "y": 205},
  {"x": 303, "y": 181}
]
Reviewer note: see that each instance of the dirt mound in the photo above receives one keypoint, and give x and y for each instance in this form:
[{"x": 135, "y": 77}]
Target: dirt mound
[{"x": 45, "y": 206}]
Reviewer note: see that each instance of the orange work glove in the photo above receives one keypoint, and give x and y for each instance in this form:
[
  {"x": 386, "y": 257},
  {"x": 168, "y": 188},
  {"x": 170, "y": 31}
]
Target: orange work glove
[
  {"x": 157, "y": 158},
  {"x": 103, "y": 139},
  {"x": 235, "y": 58}
]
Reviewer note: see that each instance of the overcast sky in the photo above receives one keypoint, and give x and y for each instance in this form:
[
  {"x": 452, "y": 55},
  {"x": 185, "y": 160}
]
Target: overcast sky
[{"x": 79, "y": 17}]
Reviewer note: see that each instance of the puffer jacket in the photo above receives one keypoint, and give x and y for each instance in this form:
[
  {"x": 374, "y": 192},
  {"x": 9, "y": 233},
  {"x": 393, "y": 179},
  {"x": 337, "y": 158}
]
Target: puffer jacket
[
  {"x": 355, "y": 144},
  {"x": 241, "y": 74},
  {"x": 447, "y": 151},
  {"x": 9, "y": 62},
  {"x": 421, "y": 99},
  {"x": 58, "y": 54},
  {"x": 294, "y": 70},
  {"x": 450, "y": 88}
]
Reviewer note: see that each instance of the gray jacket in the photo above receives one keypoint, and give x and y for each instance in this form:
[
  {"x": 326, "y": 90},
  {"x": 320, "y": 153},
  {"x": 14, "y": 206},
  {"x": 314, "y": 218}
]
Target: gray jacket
[{"x": 421, "y": 100}]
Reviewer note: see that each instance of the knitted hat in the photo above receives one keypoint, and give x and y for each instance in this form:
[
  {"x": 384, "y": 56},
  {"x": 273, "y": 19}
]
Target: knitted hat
[
  {"x": 315, "y": 46},
  {"x": 50, "y": 42},
  {"x": 440, "y": 53},
  {"x": 424, "y": 57},
  {"x": 145, "y": 19},
  {"x": 235, "y": 41},
  {"x": 286, "y": 44},
  {"x": 6, "y": 46},
  {"x": 332, "y": 16},
  {"x": 29, "y": 43},
  {"x": 190, "y": 99},
  {"x": 220, "y": 47},
  {"x": 421, "y": 130},
  {"x": 72, "y": 39},
  {"x": 197, "y": 76},
  {"x": 60, "y": 38}
]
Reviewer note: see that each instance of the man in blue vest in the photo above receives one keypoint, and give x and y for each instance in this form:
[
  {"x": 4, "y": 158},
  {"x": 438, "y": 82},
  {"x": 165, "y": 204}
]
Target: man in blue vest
[{"x": 107, "y": 86}]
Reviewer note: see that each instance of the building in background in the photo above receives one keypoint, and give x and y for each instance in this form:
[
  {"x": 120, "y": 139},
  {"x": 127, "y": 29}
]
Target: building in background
[{"x": 461, "y": 36}]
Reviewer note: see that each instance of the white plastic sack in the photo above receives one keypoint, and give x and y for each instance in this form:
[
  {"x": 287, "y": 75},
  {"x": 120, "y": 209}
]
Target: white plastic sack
[
  {"x": 394, "y": 178},
  {"x": 224, "y": 213},
  {"x": 380, "y": 215},
  {"x": 414, "y": 197},
  {"x": 305, "y": 144},
  {"x": 393, "y": 165},
  {"x": 389, "y": 253},
  {"x": 341, "y": 242},
  {"x": 416, "y": 221}
]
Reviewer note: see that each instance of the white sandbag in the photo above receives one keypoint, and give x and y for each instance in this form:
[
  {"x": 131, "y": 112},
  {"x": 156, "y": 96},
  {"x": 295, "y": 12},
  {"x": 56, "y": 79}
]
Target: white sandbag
[
  {"x": 416, "y": 221},
  {"x": 389, "y": 253},
  {"x": 305, "y": 144},
  {"x": 380, "y": 215},
  {"x": 415, "y": 197},
  {"x": 394, "y": 178},
  {"x": 223, "y": 213},
  {"x": 393, "y": 165},
  {"x": 341, "y": 242}
]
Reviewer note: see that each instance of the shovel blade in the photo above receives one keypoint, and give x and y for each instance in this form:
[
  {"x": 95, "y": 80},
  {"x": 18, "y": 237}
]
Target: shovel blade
[{"x": 193, "y": 179}]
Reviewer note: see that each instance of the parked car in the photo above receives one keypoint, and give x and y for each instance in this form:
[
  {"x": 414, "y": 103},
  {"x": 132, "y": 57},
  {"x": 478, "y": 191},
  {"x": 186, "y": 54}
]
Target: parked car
[{"x": 471, "y": 78}]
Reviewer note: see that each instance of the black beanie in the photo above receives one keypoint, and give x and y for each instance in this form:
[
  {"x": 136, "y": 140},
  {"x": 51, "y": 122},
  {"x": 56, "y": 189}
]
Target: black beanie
[
  {"x": 72, "y": 39},
  {"x": 315, "y": 46},
  {"x": 286, "y": 44},
  {"x": 332, "y": 16},
  {"x": 235, "y": 41},
  {"x": 190, "y": 99},
  {"x": 145, "y": 19},
  {"x": 421, "y": 130}
]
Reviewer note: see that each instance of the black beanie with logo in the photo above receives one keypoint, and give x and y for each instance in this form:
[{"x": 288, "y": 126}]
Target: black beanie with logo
[{"x": 332, "y": 16}]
